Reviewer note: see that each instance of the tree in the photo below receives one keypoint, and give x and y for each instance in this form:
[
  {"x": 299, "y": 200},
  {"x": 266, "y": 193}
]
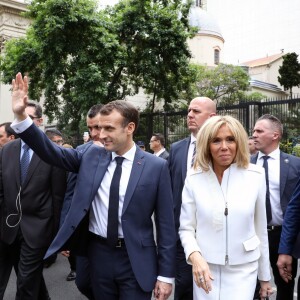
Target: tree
[
  {"x": 225, "y": 83},
  {"x": 289, "y": 72},
  {"x": 77, "y": 56}
]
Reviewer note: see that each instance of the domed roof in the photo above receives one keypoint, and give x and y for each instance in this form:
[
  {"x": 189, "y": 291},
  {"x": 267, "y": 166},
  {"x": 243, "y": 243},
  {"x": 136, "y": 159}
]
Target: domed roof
[{"x": 204, "y": 21}]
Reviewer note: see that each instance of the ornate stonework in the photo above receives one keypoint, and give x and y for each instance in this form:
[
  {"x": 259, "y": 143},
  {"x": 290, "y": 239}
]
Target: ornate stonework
[{"x": 12, "y": 24}]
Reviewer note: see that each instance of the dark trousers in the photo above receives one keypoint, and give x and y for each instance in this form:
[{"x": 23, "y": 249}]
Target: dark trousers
[
  {"x": 184, "y": 276},
  {"x": 72, "y": 261},
  {"x": 29, "y": 265},
  {"x": 83, "y": 278},
  {"x": 111, "y": 273},
  {"x": 285, "y": 291}
]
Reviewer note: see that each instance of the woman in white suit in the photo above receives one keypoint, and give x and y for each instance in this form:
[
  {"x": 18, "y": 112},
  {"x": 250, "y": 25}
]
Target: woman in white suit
[{"x": 223, "y": 226}]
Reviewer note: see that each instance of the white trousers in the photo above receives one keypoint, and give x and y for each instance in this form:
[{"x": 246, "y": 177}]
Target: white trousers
[{"x": 230, "y": 282}]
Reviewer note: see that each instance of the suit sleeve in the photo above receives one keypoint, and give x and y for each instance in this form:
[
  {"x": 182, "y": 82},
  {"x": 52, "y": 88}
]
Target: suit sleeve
[
  {"x": 188, "y": 221},
  {"x": 71, "y": 182},
  {"x": 65, "y": 158},
  {"x": 164, "y": 220},
  {"x": 260, "y": 222},
  {"x": 291, "y": 224}
]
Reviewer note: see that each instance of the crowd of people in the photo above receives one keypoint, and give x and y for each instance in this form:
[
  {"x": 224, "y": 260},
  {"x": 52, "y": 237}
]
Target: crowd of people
[{"x": 226, "y": 207}]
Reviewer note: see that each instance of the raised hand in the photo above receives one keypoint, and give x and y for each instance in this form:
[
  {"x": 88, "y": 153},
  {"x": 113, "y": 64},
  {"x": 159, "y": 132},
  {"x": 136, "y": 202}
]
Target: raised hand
[{"x": 19, "y": 96}]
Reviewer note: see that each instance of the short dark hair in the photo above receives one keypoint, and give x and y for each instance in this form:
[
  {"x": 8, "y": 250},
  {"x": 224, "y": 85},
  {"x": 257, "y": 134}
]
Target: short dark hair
[
  {"x": 126, "y": 109},
  {"x": 94, "y": 111},
  {"x": 276, "y": 124},
  {"x": 53, "y": 132},
  {"x": 8, "y": 130},
  {"x": 160, "y": 138},
  {"x": 37, "y": 107}
]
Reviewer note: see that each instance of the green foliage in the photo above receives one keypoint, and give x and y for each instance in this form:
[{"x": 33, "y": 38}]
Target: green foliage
[
  {"x": 296, "y": 150},
  {"x": 289, "y": 72},
  {"x": 225, "y": 83},
  {"x": 255, "y": 96},
  {"x": 77, "y": 56},
  {"x": 286, "y": 147}
]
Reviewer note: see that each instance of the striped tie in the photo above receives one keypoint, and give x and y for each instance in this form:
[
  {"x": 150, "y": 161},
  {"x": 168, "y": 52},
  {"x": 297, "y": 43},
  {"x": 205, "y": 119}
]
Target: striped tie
[
  {"x": 194, "y": 154},
  {"x": 24, "y": 163}
]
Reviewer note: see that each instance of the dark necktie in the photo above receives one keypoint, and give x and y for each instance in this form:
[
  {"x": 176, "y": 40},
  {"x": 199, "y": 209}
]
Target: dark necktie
[
  {"x": 113, "y": 208},
  {"x": 194, "y": 154},
  {"x": 24, "y": 163},
  {"x": 268, "y": 202}
]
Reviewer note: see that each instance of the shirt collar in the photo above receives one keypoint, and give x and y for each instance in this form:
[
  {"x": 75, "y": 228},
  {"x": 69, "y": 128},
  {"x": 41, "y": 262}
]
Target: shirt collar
[
  {"x": 193, "y": 139},
  {"x": 274, "y": 154},
  {"x": 128, "y": 155}
]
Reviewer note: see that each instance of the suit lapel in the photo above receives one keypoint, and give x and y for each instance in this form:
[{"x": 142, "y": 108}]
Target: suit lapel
[
  {"x": 104, "y": 160},
  {"x": 136, "y": 171},
  {"x": 253, "y": 158},
  {"x": 184, "y": 156},
  {"x": 16, "y": 162},
  {"x": 35, "y": 160},
  {"x": 284, "y": 170}
]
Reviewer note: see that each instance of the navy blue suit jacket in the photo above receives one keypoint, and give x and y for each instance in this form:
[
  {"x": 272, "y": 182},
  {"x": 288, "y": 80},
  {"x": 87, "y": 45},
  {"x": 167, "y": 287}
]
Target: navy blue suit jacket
[
  {"x": 71, "y": 182},
  {"x": 148, "y": 192},
  {"x": 289, "y": 176},
  {"x": 289, "y": 243},
  {"x": 178, "y": 168}
]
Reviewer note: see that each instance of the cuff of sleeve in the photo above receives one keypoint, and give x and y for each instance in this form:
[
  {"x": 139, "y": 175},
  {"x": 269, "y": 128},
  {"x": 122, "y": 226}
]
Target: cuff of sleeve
[
  {"x": 21, "y": 126},
  {"x": 165, "y": 279}
]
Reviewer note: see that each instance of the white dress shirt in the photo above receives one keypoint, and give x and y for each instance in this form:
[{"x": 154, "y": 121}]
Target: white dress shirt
[
  {"x": 274, "y": 184},
  {"x": 99, "y": 211}
]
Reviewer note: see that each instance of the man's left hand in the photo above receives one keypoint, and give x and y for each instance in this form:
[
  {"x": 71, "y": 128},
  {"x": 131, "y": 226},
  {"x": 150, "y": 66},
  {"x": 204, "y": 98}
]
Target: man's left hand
[{"x": 162, "y": 290}]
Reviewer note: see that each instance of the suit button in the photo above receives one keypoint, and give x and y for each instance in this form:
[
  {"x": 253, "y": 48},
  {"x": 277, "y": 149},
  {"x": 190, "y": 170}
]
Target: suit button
[
  {"x": 73, "y": 227},
  {"x": 85, "y": 210}
]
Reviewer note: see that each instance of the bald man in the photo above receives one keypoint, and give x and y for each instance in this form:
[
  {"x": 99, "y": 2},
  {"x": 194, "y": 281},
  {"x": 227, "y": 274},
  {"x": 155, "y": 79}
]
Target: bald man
[{"x": 180, "y": 161}]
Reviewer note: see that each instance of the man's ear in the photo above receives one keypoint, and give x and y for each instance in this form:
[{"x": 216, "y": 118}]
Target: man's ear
[{"x": 131, "y": 127}]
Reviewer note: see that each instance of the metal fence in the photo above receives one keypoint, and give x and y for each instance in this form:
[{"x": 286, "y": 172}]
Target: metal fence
[{"x": 173, "y": 124}]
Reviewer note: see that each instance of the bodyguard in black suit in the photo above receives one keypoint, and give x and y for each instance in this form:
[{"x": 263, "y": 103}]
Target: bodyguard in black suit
[
  {"x": 283, "y": 174},
  {"x": 29, "y": 215},
  {"x": 180, "y": 161}
]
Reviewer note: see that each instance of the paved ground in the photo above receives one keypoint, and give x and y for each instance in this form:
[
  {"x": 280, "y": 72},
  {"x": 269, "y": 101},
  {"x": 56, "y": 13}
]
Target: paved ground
[{"x": 59, "y": 288}]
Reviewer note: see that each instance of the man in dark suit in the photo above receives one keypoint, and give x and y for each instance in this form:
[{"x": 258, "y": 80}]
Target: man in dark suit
[
  {"x": 125, "y": 261},
  {"x": 157, "y": 145},
  {"x": 289, "y": 246},
  {"x": 283, "y": 174},
  {"x": 180, "y": 161},
  {"x": 29, "y": 214}
]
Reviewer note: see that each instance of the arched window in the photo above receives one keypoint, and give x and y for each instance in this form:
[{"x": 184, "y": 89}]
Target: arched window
[
  {"x": 198, "y": 3},
  {"x": 217, "y": 56}
]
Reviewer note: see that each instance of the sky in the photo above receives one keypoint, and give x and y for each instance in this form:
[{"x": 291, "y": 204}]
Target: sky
[{"x": 257, "y": 28}]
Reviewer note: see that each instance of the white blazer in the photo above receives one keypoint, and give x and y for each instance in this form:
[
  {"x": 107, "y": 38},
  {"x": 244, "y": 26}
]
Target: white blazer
[{"x": 242, "y": 235}]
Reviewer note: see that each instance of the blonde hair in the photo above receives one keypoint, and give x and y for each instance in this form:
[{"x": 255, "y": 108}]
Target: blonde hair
[{"x": 209, "y": 131}]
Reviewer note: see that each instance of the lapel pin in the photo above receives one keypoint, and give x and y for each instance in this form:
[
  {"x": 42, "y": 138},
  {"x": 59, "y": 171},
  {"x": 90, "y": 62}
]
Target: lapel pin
[
  {"x": 286, "y": 160},
  {"x": 139, "y": 163}
]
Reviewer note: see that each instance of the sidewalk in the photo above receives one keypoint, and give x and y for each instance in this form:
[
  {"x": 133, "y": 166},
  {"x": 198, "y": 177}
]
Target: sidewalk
[{"x": 59, "y": 288}]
